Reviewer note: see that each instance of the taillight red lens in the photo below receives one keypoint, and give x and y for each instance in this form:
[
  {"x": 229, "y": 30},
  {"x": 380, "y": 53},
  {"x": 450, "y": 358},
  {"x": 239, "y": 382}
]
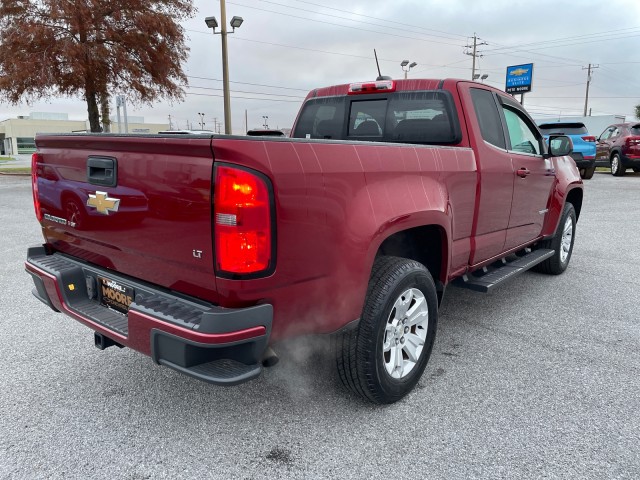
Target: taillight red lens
[
  {"x": 632, "y": 140},
  {"x": 36, "y": 158},
  {"x": 589, "y": 138},
  {"x": 242, "y": 214}
]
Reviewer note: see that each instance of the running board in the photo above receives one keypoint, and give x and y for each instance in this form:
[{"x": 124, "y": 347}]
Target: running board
[{"x": 485, "y": 279}]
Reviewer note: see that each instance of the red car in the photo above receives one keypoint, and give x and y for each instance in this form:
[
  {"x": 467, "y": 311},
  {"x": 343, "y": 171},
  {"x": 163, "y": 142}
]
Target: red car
[{"x": 618, "y": 147}]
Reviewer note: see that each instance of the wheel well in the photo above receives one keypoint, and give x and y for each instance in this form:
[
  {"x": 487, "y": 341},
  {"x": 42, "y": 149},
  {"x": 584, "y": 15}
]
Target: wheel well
[
  {"x": 422, "y": 244},
  {"x": 575, "y": 198}
]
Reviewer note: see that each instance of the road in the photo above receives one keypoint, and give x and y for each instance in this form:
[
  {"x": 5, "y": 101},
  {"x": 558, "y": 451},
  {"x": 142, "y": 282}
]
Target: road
[{"x": 539, "y": 379}]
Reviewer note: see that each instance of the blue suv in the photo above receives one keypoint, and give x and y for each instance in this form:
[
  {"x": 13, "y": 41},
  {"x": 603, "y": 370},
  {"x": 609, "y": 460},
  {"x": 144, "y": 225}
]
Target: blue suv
[{"x": 584, "y": 145}]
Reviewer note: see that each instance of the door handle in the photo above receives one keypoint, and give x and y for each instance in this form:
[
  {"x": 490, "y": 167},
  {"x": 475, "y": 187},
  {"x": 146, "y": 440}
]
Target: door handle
[
  {"x": 523, "y": 172},
  {"x": 102, "y": 171}
]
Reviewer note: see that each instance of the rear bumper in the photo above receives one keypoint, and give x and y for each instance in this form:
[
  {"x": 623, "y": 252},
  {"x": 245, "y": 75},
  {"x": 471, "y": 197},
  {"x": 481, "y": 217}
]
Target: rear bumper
[
  {"x": 218, "y": 345},
  {"x": 630, "y": 161},
  {"x": 581, "y": 161}
]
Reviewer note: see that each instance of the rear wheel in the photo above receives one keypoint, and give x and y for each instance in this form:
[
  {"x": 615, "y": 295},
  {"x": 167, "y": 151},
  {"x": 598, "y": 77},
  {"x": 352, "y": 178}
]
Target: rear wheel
[
  {"x": 383, "y": 358},
  {"x": 616, "y": 166},
  {"x": 561, "y": 242},
  {"x": 587, "y": 173}
]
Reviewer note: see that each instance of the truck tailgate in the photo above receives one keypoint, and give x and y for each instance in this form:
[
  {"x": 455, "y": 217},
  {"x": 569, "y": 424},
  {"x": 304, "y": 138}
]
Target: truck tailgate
[{"x": 150, "y": 219}]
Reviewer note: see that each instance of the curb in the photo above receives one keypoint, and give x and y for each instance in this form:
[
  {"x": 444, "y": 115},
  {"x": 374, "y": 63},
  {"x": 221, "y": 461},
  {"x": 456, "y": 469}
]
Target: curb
[{"x": 15, "y": 174}]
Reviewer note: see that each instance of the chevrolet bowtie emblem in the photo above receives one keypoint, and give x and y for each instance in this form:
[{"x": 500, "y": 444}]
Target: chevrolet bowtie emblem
[{"x": 102, "y": 203}]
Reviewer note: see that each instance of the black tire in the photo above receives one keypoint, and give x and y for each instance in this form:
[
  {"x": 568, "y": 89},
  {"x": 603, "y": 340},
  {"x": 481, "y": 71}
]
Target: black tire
[
  {"x": 636, "y": 169},
  {"x": 617, "y": 169},
  {"x": 587, "y": 173},
  {"x": 360, "y": 360},
  {"x": 555, "y": 265}
]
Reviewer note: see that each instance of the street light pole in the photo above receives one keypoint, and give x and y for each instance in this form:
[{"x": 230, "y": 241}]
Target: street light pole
[
  {"x": 213, "y": 24},
  {"x": 225, "y": 69},
  {"x": 406, "y": 66}
]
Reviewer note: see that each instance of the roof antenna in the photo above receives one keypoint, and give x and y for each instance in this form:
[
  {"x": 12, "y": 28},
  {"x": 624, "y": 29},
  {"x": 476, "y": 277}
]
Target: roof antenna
[{"x": 380, "y": 76}]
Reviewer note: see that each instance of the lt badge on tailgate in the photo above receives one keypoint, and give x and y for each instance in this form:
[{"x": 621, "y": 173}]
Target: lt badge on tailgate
[{"x": 102, "y": 203}]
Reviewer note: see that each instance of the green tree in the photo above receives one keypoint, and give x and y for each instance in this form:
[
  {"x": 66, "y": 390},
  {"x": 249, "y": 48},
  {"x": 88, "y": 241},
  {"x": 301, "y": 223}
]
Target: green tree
[{"x": 92, "y": 48}]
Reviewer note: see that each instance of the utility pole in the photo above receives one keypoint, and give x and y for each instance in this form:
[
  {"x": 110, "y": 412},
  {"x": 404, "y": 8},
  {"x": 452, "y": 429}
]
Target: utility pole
[
  {"x": 474, "y": 53},
  {"x": 586, "y": 97},
  {"x": 122, "y": 102},
  {"x": 170, "y": 124}
]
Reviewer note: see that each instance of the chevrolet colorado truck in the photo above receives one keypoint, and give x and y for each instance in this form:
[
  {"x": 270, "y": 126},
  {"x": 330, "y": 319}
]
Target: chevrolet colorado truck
[{"x": 202, "y": 251}]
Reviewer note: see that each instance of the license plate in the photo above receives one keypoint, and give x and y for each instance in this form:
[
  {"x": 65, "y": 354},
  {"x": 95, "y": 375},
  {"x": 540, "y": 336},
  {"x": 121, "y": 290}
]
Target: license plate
[{"x": 115, "y": 295}]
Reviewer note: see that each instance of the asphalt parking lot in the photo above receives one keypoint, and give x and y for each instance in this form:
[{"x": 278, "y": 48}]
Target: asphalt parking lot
[{"x": 539, "y": 379}]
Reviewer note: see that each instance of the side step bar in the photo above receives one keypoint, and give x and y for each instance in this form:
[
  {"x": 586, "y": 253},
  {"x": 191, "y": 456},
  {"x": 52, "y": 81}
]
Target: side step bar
[{"x": 485, "y": 279}]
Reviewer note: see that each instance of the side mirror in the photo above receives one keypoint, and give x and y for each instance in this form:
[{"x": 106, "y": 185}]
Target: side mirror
[{"x": 559, "y": 145}]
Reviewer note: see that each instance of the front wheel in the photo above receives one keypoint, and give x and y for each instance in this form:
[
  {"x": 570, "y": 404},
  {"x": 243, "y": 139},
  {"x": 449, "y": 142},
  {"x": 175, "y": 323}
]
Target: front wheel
[
  {"x": 617, "y": 169},
  {"x": 561, "y": 242},
  {"x": 383, "y": 358}
]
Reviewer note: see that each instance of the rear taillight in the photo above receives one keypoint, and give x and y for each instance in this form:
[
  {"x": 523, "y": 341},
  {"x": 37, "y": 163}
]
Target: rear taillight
[
  {"x": 632, "y": 141},
  {"x": 242, "y": 218},
  {"x": 589, "y": 138},
  {"x": 36, "y": 158}
]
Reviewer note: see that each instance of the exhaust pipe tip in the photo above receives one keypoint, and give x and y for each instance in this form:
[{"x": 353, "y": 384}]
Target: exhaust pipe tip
[{"x": 269, "y": 358}]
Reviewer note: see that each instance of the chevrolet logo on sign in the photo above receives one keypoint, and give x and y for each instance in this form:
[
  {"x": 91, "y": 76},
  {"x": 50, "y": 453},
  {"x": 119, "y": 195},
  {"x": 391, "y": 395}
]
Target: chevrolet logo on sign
[{"x": 102, "y": 203}]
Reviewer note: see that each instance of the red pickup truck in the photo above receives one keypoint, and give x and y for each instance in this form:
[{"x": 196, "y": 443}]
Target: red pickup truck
[{"x": 202, "y": 251}]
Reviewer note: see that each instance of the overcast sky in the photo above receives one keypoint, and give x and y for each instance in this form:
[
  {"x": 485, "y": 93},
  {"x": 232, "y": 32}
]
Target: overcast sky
[{"x": 286, "y": 47}]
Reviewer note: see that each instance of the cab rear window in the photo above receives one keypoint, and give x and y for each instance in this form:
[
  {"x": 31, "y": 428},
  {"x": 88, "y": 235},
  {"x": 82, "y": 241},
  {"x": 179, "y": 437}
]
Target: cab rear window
[{"x": 403, "y": 117}]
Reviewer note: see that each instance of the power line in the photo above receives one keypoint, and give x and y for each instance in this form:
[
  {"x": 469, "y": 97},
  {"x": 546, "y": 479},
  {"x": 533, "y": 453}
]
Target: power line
[
  {"x": 564, "y": 39},
  {"x": 383, "y": 19},
  {"x": 252, "y": 84},
  {"x": 241, "y": 91},
  {"x": 344, "y": 26},
  {"x": 245, "y": 98}
]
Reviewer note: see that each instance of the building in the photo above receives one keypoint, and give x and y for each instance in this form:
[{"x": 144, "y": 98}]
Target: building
[
  {"x": 595, "y": 125},
  {"x": 17, "y": 135}
]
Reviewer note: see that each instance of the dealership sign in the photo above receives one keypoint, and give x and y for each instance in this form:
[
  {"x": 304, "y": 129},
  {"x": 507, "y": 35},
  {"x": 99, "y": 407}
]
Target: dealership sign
[{"x": 519, "y": 78}]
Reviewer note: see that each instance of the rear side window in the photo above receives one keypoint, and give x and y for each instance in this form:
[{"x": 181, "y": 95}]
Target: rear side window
[
  {"x": 635, "y": 130},
  {"x": 321, "y": 118},
  {"x": 405, "y": 117},
  {"x": 488, "y": 117},
  {"x": 563, "y": 129}
]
